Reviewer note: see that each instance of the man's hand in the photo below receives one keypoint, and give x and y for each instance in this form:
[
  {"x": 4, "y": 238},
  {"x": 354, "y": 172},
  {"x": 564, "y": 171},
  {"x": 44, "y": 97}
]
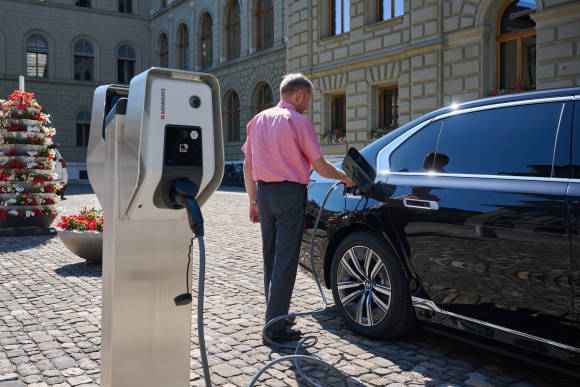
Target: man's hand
[
  {"x": 254, "y": 213},
  {"x": 325, "y": 169},
  {"x": 347, "y": 181}
]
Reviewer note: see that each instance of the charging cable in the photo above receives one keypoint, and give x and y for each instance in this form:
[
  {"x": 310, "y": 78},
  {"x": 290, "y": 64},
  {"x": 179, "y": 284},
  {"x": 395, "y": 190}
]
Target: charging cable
[{"x": 302, "y": 343}]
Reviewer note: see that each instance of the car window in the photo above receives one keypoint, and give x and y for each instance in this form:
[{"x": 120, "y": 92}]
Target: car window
[
  {"x": 414, "y": 154},
  {"x": 516, "y": 140},
  {"x": 576, "y": 142}
]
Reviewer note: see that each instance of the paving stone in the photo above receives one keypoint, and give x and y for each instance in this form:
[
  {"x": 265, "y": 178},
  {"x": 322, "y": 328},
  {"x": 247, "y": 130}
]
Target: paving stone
[
  {"x": 63, "y": 362},
  {"x": 8, "y": 377}
]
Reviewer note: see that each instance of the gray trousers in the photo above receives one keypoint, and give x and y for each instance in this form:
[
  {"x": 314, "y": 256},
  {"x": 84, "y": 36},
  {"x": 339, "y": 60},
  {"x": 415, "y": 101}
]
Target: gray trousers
[{"x": 282, "y": 209}]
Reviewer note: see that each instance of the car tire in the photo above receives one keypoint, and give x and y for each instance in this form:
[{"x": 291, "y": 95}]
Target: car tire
[{"x": 370, "y": 288}]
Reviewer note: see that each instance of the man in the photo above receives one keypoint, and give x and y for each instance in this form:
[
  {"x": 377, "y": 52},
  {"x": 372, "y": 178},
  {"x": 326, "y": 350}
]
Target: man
[{"x": 280, "y": 149}]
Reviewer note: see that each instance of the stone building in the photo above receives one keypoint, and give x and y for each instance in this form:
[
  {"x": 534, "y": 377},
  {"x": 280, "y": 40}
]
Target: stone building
[
  {"x": 66, "y": 48},
  {"x": 382, "y": 63}
]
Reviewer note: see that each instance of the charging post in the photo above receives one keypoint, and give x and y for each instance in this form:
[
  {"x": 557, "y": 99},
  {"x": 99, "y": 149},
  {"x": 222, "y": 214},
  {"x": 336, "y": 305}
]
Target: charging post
[{"x": 163, "y": 129}]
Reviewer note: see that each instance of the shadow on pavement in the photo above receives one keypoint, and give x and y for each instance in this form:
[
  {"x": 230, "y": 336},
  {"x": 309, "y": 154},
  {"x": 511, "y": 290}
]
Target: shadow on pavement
[{"x": 80, "y": 269}]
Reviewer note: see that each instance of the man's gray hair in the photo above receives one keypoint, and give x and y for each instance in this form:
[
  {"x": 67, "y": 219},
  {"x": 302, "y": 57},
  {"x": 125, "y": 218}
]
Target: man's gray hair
[{"x": 294, "y": 82}]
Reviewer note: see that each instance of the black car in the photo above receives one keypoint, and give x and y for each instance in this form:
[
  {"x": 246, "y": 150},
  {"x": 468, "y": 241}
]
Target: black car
[{"x": 470, "y": 223}]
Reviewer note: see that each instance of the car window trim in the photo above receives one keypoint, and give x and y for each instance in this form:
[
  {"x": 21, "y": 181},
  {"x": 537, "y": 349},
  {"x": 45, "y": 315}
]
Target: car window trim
[
  {"x": 476, "y": 176},
  {"x": 383, "y": 164}
]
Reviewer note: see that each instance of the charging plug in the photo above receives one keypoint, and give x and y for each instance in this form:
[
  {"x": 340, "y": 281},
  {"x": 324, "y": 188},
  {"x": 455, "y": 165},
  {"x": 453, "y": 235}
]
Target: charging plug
[
  {"x": 183, "y": 299},
  {"x": 183, "y": 193}
]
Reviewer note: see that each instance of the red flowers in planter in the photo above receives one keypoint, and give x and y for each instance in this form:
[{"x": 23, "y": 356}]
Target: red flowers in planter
[{"x": 86, "y": 220}]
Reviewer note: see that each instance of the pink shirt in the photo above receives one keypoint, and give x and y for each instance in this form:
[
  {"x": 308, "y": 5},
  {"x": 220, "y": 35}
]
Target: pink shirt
[{"x": 283, "y": 145}]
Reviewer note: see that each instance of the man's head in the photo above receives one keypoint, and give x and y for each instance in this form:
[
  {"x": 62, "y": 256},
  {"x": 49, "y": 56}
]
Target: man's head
[{"x": 297, "y": 90}]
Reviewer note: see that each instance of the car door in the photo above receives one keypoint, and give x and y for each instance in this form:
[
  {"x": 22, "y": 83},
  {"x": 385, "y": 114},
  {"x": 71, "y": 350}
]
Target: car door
[{"x": 485, "y": 221}]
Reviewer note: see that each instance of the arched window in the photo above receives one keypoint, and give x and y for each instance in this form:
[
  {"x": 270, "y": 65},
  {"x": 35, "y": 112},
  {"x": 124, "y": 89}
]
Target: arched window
[
  {"x": 233, "y": 30},
  {"x": 264, "y": 97},
  {"x": 516, "y": 45},
  {"x": 36, "y": 56},
  {"x": 125, "y": 63},
  {"x": 183, "y": 47},
  {"x": 163, "y": 51},
  {"x": 265, "y": 24},
  {"x": 232, "y": 117},
  {"x": 206, "y": 41},
  {"x": 84, "y": 60},
  {"x": 83, "y": 125},
  {"x": 339, "y": 16},
  {"x": 126, "y": 6}
]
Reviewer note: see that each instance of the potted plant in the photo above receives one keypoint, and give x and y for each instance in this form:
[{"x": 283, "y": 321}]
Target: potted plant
[{"x": 83, "y": 233}]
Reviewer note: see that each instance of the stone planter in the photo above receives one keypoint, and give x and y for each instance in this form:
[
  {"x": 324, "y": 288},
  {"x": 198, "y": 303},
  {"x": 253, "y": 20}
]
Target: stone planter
[
  {"x": 19, "y": 223},
  {"x": 85, "y": 244}
]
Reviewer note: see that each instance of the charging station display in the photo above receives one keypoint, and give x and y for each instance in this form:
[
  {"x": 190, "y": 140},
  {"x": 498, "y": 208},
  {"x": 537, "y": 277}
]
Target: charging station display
[{"x": 183, "y": 146}]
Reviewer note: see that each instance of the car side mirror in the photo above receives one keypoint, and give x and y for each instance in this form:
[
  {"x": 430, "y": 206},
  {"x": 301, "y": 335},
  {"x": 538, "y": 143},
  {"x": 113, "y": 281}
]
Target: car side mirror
[{"x": 359, "y": 170}]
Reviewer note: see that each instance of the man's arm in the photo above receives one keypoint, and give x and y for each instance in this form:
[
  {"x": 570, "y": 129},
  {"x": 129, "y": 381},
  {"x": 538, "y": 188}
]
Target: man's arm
[
  {"x": 251, "y": 188},
  {"x": 325, "y": 169}
]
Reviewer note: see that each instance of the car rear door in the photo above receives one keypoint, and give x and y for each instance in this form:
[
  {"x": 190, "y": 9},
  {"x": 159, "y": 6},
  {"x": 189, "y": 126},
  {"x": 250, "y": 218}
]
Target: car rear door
[{"x": 485, "y": 221}]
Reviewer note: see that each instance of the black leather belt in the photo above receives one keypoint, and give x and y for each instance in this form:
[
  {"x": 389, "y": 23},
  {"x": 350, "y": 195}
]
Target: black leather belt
[{"x": 260, "y": 182}]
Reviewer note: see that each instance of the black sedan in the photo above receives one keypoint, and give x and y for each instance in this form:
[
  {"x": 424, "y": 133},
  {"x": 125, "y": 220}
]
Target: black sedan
[{"x": 470, "y": 222}]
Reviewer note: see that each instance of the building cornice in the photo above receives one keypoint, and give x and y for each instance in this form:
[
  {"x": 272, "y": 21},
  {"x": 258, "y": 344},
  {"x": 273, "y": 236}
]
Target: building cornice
[
  {"x": 246, "y": 58},
  {"x": 51, "y": 82},
  {"x": 557, "y": 15},
  {"x": 168, "y": 8},
  {"x": 85, "y": 10},
  {"x": 349, "y": 63}
]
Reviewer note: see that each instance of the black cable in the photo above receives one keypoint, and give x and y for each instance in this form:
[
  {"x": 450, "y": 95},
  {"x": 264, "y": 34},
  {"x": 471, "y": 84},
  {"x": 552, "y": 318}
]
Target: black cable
[{"x": 187, "y": 279}]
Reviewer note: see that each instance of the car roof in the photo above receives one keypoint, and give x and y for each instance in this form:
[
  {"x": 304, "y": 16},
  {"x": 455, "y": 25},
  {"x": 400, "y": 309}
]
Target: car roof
[{"x": 370, "y": 151}]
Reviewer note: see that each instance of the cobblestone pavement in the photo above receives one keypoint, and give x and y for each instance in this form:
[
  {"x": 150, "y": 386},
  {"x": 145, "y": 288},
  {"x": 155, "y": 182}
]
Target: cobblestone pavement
[{"x": 50, "y": 321}]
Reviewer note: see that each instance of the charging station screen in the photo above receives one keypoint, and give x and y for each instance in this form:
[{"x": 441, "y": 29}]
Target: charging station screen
[{"x": 183, "y": 146}]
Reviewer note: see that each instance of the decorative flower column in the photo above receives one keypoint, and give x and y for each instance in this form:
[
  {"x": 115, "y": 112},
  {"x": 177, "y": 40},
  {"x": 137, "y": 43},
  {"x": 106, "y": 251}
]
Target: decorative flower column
[{"x": 28, "y": 191}]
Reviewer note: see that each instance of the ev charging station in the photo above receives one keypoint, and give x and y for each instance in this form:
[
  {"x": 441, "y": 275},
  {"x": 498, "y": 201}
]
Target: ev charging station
[{"x": 154, "y": 147}]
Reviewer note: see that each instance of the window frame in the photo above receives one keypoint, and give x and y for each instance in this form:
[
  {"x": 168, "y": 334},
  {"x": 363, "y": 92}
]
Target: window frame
[
  {"x": 84, "y": 57},
  {"x": 261, "y": 15},
  {"x": 333, "y": 113},
  {"x": 383, "y": 156},
  {"x": 379, "y": 10},
  {"x": 84, "y": 127},
  {"x": 395, "y": 97},
  {"x": 518, "y": 36},
  {"x": 260, "y": 98},
  {"x": 125, "y": 60},
  {"x": 182, "y": 47},
  {"x": 83, "y": 3},
  {"x": 206, "y": 58},
  {"x": 230, "y": 118},
  {"x": 163, "y": 55},
  {"x": 37, "y": 51},
  {"x": 231, "y": 42},
  {"x": 332, "y": 12},
  {"x": 126, "y": 6}
]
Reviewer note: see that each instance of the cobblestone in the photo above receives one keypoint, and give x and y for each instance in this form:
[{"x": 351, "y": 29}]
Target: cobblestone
[{"x": 50, "y": 321}]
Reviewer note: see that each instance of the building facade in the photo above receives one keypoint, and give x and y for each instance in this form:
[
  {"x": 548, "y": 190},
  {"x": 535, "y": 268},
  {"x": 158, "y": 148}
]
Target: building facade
[
  {"x": 65, "y": 49},
  {"x": 377, "y": 64}
]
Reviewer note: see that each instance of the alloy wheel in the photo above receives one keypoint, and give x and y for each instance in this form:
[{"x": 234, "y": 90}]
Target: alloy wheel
[{"x": 363, "y": 285}]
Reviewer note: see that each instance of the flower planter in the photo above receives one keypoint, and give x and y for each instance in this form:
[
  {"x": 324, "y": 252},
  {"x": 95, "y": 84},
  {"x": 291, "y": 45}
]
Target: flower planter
[
  {"x": 85, "y": 244},
  {"x": 15, "y": 223}
]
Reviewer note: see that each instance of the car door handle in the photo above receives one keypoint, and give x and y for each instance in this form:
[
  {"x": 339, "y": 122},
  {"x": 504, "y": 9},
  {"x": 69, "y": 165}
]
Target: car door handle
[{"x": 422, "y": 204}]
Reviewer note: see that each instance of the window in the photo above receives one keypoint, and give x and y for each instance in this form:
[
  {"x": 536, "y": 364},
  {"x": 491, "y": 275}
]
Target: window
[
  {"x": 233, "y": 31},
  {"x": 163, "y": 3},
  {"x": 264, "y": 97},
  {"x": 338, "y": 110},
  {"x": 125, "y": 64},
  {"x": 232, "y": 117},
  {"x": 516, "y": 141},
  {"x": 36, "y": 56},
  {"x": 416, "y": 153},
  {"x": 126, "y": 6},
  {"x": 516, "y": 45},
  {"x": 84, "y": 58},
  {"x": 183, "y": 47},
  {"x": 83, "y": 3},
  {"x": 163, "y": 51},
  {"x": 339, "y": 16},
  {"x": 83, "y": 126},
  {"x": 206, "y": 41},
  {"x": 265, "y": 23},
  {"x": 388, "y": 9},
  {"x": 388, "y": 107}
]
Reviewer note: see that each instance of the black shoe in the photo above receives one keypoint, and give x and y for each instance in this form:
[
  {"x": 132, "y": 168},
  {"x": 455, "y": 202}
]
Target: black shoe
[
  {"x": 282, "y": 336},
  {"x": 290, "y": 321}
]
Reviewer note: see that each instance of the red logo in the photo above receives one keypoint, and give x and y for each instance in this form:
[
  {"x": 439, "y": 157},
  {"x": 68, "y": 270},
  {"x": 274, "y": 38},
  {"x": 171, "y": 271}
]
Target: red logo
[{"x": 163, "y": 116}]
